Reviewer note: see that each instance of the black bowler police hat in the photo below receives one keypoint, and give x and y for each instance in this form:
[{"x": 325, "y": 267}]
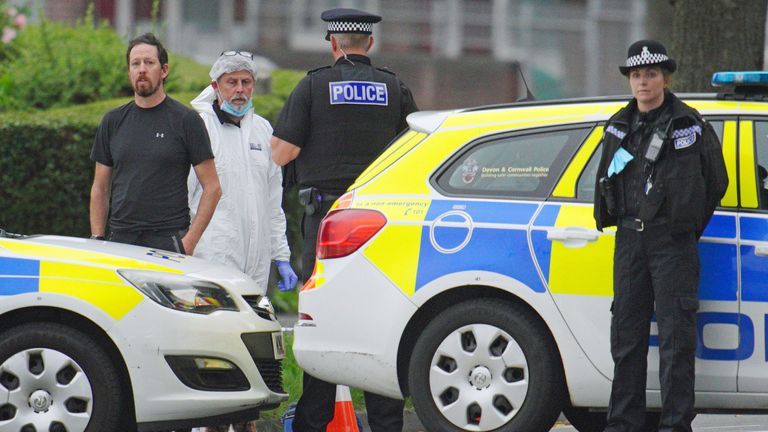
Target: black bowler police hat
[
  {"x": 342, "y": 20},
  {"x": 647, "y": 53}
]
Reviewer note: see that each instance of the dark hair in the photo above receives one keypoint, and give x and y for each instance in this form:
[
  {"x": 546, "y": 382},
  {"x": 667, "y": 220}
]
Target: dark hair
[{"x": 149, "y": 39}]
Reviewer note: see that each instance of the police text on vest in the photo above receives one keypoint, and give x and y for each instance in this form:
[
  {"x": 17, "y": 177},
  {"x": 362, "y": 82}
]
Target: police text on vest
[{"x": 358, "y": 93}]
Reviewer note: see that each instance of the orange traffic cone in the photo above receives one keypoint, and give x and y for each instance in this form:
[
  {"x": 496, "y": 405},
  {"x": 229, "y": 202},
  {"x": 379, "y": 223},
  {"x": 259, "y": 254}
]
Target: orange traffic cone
[{"x": 344, "y": 416}]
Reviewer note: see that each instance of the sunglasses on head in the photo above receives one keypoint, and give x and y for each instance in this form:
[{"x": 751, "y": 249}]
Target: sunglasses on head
[{"x": 246, "y": 54}]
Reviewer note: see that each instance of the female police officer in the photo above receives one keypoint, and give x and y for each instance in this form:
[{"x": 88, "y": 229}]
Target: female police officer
[{"x": 660, "y": 178}]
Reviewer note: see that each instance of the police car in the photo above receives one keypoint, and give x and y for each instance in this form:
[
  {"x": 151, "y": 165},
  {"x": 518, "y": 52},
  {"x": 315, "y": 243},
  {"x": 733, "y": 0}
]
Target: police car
[
  {"x": 105, "y": 337},
  {"x": 463, "y": 268}
]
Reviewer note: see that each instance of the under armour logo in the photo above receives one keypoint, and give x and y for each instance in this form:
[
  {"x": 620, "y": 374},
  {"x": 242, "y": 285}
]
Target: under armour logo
[{"x": 159, "y": 135}]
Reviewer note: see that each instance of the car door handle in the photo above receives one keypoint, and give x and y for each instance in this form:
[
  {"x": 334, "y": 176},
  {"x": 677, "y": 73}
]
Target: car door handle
[
  {"x": 761, "y": 250},
  {"x": 573, "y": 236}
]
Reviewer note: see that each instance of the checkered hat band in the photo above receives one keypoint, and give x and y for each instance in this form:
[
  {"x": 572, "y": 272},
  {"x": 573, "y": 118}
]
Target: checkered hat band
[
  {"x": 349, "y": 27},
  {"x": 645, "y": 59}
]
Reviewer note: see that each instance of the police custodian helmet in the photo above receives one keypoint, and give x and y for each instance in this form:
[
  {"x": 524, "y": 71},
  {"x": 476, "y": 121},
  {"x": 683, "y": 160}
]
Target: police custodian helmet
[
  {"x": 647, "y": 53},
  {"x": 343, "y": 20}
]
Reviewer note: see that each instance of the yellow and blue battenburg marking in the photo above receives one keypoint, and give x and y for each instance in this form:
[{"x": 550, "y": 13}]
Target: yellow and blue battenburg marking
[
  {"x": 19, "y": 276},
  {"x": 101, "y": 287},
  {"x": 718, "y": 274},
  {"x": 754, "y": 275},
  {"x": 463, "y": 235},
  {"x": 358, "y": 93},
  {"x": 718, "y": 258},
  {"x": 91, "y": 278},
  {"x": 477, "y": 236}
]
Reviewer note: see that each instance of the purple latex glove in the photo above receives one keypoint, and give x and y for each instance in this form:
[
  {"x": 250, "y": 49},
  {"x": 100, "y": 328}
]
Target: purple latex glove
[{"x": 287, "y": 275}]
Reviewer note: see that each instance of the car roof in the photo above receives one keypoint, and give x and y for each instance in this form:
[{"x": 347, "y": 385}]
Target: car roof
[{"x": 574, "y": 110}]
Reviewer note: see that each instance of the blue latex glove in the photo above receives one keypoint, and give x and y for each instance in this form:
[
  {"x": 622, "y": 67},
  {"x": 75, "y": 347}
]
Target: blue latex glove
[
  {"x": 287, "y": 275},
  {"x": 620, "y": 159}
]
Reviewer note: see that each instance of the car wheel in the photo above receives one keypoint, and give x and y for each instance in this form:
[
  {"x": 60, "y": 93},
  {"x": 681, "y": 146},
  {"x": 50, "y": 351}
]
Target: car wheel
[
  {"x": 54, "y": 379},
  {"x": 486, "y": 365},
  {"x": 585, "y": 420}
]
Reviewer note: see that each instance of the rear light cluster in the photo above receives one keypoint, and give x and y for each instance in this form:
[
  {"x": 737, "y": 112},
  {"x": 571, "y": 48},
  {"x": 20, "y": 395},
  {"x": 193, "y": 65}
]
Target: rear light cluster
[{"x": 344, "y": 231}]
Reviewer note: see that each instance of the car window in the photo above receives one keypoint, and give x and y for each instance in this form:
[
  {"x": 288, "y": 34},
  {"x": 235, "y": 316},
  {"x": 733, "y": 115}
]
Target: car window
[
  {"x": 585, "y": 190},
  {"x": 761, "y": 156},
  {"x": 522, "y": 165}
]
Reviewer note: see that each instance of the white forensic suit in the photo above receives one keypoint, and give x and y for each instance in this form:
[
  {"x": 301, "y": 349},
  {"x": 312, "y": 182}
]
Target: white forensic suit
[{"x": 248, "y": 227}]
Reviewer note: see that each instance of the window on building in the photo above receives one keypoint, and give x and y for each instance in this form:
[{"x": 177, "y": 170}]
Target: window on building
[
  {"x": 142, "y": 10},
  {"x": 203, "y": 14},
  {"x": 240, "y": 11}
]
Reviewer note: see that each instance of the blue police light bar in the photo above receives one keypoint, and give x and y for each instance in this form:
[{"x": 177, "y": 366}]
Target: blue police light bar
[{"x": 745, "y": 78}]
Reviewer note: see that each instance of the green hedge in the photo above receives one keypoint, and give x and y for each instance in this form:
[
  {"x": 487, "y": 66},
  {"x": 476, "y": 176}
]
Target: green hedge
[{"x": 57, "y": 65}]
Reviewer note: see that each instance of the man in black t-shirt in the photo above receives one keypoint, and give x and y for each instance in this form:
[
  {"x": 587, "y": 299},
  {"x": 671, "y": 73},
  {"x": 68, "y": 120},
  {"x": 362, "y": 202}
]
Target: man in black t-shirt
[{"x": 143, "y": 151}]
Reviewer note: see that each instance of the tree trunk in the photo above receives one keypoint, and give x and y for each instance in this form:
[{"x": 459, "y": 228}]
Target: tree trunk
[
  {"x": 658, "y": 21},
  {"x": 715, "y": 35}
]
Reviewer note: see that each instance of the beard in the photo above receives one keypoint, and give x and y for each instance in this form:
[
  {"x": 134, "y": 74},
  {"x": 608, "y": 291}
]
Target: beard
[{"x": 147, "y": 90}]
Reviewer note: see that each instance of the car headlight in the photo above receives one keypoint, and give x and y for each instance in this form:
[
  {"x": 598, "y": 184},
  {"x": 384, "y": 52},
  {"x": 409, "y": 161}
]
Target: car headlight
[{"x": 180, "y": 292}]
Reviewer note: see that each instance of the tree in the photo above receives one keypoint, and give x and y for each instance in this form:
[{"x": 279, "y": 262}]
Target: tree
[{"x": 715, "y": 35}]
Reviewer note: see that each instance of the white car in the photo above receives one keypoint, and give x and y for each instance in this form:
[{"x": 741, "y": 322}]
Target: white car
[
  {"x": 98, "y": 336},
  {"x": 463, "y": 268}
]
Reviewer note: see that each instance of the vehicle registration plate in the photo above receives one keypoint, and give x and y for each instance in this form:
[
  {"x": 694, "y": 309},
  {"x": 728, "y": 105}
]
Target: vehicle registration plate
[{"x": 278, "y": 345}]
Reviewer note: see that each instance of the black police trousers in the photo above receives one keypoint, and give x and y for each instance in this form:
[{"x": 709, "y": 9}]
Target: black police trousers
[
  {"x": 654, "y": 265},
  {"x": 315, "y": 408},
  {"x": 169, "y": 240}
]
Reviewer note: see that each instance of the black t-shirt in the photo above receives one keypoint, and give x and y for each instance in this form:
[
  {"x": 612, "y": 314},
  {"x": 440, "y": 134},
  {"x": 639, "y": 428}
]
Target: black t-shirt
[
  {"x": 150, "y": 151},
  {"x": 342, "y": 117}
]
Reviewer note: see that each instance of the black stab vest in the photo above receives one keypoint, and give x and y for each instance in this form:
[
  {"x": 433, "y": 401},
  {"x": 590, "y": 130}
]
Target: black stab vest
[{"x": 345, "y": 138}]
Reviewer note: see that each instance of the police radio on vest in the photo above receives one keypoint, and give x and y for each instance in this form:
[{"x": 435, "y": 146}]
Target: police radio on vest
[{"x": 358, "y": 93}]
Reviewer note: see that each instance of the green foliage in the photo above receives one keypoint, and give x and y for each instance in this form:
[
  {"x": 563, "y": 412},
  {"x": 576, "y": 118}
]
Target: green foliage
[
  {"x": 44, "y": 173},
  {"x": 12, "y": 22},
  {"x": 59, "y": 65},
  {"x": 284, "y": 81},
  {"x": 185, "y": 74}
]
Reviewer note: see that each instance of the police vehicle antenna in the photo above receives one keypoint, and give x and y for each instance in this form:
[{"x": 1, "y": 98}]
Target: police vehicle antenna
[{"x": 528, "y": 95}]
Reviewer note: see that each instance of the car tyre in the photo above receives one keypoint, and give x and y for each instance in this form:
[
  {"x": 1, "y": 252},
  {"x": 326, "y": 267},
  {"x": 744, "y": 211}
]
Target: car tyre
[
  {"x": 484, "y": 365},
  {"x": 51, "y": 373},
  {"x": 584, "y": 420}
]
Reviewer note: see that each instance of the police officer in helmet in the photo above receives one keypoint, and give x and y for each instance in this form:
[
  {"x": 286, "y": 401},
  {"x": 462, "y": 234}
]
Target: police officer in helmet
[
  {"x": 336, "y": 121},
  {"x": 660, "y": 177}
]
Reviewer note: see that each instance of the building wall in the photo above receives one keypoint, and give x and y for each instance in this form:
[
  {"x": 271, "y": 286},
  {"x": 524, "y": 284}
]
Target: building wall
[{"x": 65, "y": 10}]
